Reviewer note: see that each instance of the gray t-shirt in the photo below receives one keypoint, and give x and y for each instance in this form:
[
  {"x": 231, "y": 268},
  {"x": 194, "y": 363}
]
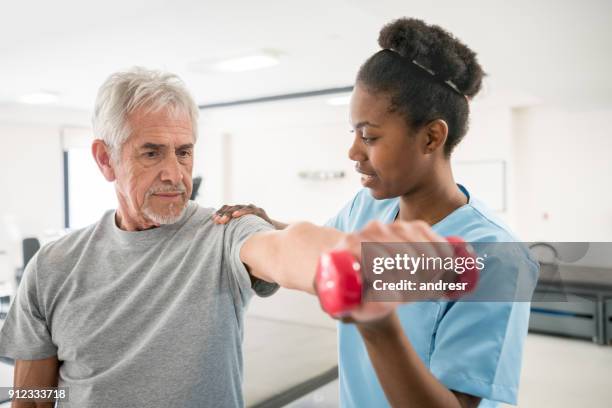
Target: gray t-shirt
[{"x": 151, "y": 318}]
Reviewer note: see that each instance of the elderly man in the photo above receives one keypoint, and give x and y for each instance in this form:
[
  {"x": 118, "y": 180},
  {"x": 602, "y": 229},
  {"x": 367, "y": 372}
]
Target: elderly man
[{"x": 145, "y": 308}]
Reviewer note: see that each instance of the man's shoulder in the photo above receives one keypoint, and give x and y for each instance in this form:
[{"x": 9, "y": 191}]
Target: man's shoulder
[
  {"x": 199, "y": 212},
  {"x": 199, "y": 223},
  {"x": 54, "y": 260},
  {"x": 68, "y": 245},
  {"x": 248, "y": 224},
  {"x": 198, "y": 219}
]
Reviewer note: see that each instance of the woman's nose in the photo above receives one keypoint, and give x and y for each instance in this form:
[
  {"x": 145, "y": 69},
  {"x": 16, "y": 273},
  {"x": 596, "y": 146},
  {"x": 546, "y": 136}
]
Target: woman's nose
[{"x": 356, "y": 151}]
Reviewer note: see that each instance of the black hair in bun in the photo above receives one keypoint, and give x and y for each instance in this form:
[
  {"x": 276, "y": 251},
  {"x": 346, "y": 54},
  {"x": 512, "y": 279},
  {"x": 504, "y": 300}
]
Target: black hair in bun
[
  {"x": 436, "y": 49},
  {"x": 428, "y": 73}
]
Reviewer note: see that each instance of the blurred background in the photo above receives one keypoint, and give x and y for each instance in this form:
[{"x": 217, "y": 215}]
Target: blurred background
[{"x": 273, "y": 80}]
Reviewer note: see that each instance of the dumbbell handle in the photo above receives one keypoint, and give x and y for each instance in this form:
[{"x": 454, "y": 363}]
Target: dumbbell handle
[{"x": 339, "y": 280}]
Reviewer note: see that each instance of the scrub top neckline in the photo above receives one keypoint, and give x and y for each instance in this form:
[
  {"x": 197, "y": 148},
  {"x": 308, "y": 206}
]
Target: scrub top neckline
[{"x": 437, "y": 224}]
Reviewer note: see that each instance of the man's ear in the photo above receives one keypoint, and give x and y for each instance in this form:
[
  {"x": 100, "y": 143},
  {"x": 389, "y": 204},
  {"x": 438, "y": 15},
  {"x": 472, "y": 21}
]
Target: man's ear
[
  {"x": 101, "y": 154},
  {"x": 436, "y": 134}
]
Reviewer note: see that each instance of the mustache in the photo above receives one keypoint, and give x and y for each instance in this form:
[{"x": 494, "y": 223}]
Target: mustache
[{"x": 179, "y": 188}]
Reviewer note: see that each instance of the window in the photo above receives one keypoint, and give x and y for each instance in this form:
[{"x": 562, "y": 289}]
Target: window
[{"x": 87, "y": 193}]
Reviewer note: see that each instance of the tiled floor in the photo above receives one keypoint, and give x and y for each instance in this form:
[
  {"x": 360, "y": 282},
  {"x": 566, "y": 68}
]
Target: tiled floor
[
  {"x": 557, "y": 373},
  {"x": 279, "y": 355},
  {"x": 324, "y": 397}
]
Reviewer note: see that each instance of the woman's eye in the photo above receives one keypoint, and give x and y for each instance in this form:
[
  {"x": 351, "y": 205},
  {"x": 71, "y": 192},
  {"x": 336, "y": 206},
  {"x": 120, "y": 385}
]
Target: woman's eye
[
  {"x": 363, "y": 136},
  {"x": 367, "y": 140}
]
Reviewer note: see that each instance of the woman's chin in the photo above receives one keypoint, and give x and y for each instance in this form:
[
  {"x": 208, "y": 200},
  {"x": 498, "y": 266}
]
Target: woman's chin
[{"x": 378, "y": 193}]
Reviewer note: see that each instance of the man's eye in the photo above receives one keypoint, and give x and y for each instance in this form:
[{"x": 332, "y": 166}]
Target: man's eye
[
  {"x": 150, "y": 155},
  {"x": 184, "y": 153}
]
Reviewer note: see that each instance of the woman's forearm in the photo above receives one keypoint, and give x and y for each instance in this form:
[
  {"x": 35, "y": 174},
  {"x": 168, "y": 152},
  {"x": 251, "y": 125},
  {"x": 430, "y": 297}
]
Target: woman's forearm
[{"x": 406, "y": 381}]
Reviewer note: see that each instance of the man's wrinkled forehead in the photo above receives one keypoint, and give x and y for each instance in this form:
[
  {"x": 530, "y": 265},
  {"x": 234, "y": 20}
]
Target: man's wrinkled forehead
[
  {"x": 162, "y": 146},
  {"x": 160, "y": 127}
]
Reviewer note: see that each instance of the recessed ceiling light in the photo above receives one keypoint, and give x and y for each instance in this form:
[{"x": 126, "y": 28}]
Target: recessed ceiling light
[
  {"x": 39, "y": 98},
  {"x": 339, "y": 100},
  {"x": 246, "y": 63}
]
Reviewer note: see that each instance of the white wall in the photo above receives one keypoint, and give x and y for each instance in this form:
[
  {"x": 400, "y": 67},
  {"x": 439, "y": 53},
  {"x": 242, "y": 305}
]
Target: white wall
[
  {"x": 31, "y": 177},
  {"x": 31, "y": 185},
  {"x": 259, "y": 151},
  {"x": 31, "y": 164},
  {"x": 564, "y": 164},
  {"x": 488, "y": 140}
]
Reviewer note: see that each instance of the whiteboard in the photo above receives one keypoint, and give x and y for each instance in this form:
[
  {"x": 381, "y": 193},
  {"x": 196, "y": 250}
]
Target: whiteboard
[{"x": 484, "y": 179}]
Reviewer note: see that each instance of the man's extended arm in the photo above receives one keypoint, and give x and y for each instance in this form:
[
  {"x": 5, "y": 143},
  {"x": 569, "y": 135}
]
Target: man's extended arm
[{"x": 289, "y": 257}]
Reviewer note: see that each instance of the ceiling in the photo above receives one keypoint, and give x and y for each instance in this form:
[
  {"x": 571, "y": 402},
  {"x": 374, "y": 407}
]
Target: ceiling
[{"x": 544, "y": 51}]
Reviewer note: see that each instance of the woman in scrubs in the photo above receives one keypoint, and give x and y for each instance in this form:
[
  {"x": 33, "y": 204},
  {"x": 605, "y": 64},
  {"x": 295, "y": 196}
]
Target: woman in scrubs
[{"x": 408, "y": 111}]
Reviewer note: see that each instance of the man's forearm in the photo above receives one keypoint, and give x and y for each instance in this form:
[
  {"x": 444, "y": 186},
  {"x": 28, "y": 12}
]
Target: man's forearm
[
  {"x": 35, "y": 374},
  {"x": 32, "y": 404},
  {"x": 289, "y": 257}
]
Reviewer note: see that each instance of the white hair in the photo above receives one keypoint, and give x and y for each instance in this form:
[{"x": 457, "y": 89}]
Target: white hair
[{"x": 138, "y": 88}]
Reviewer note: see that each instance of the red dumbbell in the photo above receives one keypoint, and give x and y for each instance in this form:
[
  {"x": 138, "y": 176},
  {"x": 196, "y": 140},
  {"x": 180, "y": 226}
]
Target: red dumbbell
[{"x": 339, "y": 281}]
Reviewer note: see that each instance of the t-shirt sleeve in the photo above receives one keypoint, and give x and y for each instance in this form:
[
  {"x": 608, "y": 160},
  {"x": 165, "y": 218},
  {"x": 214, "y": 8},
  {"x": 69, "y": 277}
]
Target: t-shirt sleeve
[
  {"x": 25, "y": 334},
  {"x": 236, "y": 233},
  {"x": 478, "y": 345}
]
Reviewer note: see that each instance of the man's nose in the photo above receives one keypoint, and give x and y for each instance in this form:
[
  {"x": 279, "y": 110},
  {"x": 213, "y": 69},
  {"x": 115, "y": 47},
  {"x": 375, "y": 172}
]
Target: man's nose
[{"x": 171, "y": 170}]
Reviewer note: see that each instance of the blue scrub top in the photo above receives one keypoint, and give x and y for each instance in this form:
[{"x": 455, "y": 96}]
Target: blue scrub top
[{"x": 471, "y": 347}]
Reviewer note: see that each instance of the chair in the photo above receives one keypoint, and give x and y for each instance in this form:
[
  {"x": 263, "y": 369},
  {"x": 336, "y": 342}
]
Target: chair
[{"x": 29, "y": 248}]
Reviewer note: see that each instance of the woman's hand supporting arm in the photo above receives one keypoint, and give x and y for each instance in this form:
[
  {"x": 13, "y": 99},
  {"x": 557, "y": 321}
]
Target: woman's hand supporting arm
[{"x": 226, "y": 213}]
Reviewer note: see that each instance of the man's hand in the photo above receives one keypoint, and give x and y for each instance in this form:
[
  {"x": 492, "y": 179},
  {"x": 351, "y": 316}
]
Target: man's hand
[{"x": 226, "y": 213}]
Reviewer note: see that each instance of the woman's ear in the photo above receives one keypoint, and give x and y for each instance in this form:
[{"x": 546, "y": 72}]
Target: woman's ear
[
  {"x": 437, "y": 132},
  {"x": 102, "y": 156}
]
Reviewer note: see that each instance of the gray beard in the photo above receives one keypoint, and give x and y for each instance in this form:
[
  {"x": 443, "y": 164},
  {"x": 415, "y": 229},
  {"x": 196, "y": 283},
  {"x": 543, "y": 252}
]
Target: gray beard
[{"x": 163, "y": 219}]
